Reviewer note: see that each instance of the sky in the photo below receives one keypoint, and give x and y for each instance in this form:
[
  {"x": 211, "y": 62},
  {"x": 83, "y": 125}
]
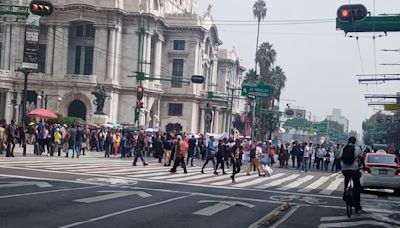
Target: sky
[{"x": 320, "y": 63}]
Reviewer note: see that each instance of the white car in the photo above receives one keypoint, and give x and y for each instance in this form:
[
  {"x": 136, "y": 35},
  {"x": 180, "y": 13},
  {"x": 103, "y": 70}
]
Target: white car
[{"x": 381, "y": 171}]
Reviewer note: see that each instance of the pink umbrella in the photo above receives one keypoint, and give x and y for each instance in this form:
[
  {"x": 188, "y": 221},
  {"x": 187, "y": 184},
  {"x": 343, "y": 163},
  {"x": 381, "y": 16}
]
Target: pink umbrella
[{"x": 42, "y": 113}]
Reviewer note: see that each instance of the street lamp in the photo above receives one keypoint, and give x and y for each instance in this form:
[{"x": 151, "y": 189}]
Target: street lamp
[{"x": 46, "y": 97}]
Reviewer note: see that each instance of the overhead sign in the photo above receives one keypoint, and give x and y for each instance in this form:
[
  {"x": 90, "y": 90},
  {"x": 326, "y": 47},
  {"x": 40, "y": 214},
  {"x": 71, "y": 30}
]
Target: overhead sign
[
  {"x": 258, "y": 90},
  {"x": 392, "y": 107},
  {"x": 197, "y": 79},
  {"x": 31, "y": 47},
  {"x": 295, "y": 113}
]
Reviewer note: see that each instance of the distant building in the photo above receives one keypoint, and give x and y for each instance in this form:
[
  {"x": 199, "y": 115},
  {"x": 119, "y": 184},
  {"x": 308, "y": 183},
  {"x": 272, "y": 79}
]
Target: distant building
[{"x": 337, "y": 116}]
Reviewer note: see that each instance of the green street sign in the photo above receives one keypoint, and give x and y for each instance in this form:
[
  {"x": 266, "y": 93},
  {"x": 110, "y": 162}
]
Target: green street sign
[
  {"x": 258, "y": 90},
  {"x": 370, "y": 24}
]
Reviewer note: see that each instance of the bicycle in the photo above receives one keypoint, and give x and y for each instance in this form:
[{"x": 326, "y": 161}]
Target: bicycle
[{"x": 349, "y": 199}]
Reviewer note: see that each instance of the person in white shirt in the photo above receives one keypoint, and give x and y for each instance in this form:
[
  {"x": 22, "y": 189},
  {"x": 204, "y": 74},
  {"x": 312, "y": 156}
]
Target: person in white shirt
[
  {"x": 255, "y": 154},
  {"x": 306, "y": 157}
]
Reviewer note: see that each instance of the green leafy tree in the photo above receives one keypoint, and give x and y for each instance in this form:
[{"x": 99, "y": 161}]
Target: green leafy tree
[
  {"x": 251, "y": 77},
  {"x": 266, "y": 57}
]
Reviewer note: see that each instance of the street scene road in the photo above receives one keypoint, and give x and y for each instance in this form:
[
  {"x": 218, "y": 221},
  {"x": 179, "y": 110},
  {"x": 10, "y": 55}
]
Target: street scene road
[
  {"x": 199, "y": 114},
  {"x": 98, "y": 192}
]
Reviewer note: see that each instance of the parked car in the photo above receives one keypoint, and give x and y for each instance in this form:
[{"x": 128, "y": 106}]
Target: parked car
[{"x": 381, "y": 171}]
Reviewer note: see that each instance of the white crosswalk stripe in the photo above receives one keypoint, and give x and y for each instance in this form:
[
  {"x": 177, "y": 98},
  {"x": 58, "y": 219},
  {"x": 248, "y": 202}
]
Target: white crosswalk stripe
[
  {"x": 296, "y": 183},
  {"x": 332, "y": 186},
  {"x": 281, "y": 180},
  {"x": 257, "y": 181},
  {"x": 314, "y": 185},
  {"x": 278, "y": 182}
]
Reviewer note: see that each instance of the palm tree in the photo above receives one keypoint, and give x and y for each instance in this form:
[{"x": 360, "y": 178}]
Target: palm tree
[
  {"x": 265, "y": 57},
  {"x": 278, "y": 80},
  {"x": 251, "y": 77},
  {"x": 259, "y": 12}
]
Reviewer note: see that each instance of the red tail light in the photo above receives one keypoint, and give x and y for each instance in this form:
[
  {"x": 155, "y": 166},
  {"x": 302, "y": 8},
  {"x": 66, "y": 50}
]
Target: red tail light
[
  {"x": 366, "y": 170},
  {"x": 398, "y": 172}
]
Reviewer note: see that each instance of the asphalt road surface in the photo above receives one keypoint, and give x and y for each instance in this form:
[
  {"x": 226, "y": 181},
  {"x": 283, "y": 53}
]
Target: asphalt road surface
[{"x": 98, "y": 192}]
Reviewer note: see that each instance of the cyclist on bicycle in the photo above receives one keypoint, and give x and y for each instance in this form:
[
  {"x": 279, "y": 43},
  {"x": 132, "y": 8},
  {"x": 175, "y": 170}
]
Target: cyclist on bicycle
[{"x": 350, "y": 156}]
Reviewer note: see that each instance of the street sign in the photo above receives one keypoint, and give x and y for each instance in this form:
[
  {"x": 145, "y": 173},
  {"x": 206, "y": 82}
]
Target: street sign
[
  {"x": 31, "y": 48},
  {"x": 392, "y": 107},
  {"x": 289, "y": 113},
  {"x": 258, "y": 90},
  {"x": 371, "y": 24},
  {"x": 197, "y": 79}
]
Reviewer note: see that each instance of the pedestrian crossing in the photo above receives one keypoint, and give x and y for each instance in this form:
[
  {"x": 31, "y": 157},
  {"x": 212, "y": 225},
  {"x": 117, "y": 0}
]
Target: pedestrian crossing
[{"x": 281, "y": 180}]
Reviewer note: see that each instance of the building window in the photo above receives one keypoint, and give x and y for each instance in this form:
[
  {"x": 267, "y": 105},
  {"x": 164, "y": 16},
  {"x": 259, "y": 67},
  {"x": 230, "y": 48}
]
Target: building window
[
  {"x": 179, "y": 45},
  {"x": 42, "y": 58},
  {"x": 79, "y": 31},
  {"x": 78, "y": 53},
  {"x": 89, "y": 30},
  {"x": 175, "y": 109},
  {"x": 88, "y": 67},
  {"x": 177, "y": 73}
]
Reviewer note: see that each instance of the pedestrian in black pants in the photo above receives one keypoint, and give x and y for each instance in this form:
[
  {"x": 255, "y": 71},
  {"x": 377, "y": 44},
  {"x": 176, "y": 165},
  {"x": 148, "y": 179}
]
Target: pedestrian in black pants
[
  {"x": 220, "y": 156},
  {"x": 107, "y": 145},
  {"x": 10, "y": 139},
  {"x": 299, "y": 156},
  {"x": 293, "y": 154},
  {"x": 192, "y": 147},
  {"x": 180, "y": 156},
  {"x": 139, "y": 150},
  {"x": 236, "y": 154},
  {"x": 351, "y": 156}
]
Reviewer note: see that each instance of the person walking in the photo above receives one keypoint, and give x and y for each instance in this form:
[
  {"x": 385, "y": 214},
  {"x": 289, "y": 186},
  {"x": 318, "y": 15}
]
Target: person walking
[
  {"x": 139, "y": 150},
  {"x": 254, "y": 150},
  {"x": 220, "y": 155},
  {"x": 72, "y": 140},
  {"x": 312, "y": 154},
  {"x": 293, "y": 153},
  {"x": 107, "y": 145},
  {"x": 227, "y": 147},
  {"x": 210, "y": 155},
  {"x": 350, "y": 162},
  {"x": 124, "y": 145},
  {"x": 80, "y": 135},
  {"x": 236, "y": 158},
  {"x": 3, "y": 136},
  {"x": 57, "y": 140},
  {"x": 192, "y": 147},
  {"x": 117, "y": 144},
  {"x": 336, "y": 155},
  {"x": 10, "y": 131},
  {"x": 320, "y": 157},
  {"x": 180, "y": 155},
  {"x": 306, "y": 157},
  {"x": 167, "y": 144}
]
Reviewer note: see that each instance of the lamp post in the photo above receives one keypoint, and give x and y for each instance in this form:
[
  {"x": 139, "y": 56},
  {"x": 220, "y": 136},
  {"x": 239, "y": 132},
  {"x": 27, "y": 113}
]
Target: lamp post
[{"x": 46, "y": 97}]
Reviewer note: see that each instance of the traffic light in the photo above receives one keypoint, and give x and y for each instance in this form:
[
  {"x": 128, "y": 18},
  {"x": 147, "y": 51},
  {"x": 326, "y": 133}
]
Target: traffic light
[
  {"x": 41, "y": 8},
  {"x": 354, "y": 12},
  {"x": 139, "y": 93}
]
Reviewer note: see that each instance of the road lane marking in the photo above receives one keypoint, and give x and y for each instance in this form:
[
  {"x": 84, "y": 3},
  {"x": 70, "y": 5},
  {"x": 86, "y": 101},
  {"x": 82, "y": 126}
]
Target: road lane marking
[
  {"x": 338, "y": 218},
  {"x": 257, "y": 181},
  {"x": 174, "y": 175},
  {"x": 148, "y": 174},
  {"x": 358, "y": 223},
  {"x": 212, "y": 179},
  {"x": 13, "y": 184},
  {"x": 278, "y": 182},
  {"x": 112, "y": 195},
  {"x": 194, "y": 177},
  {"x": 332, "y": 186},
  {"x": 314, "y": 185},
  {"x": 47, "y": 192},
  {"x": 297, "y": 183},
  {"x": 109, "y": 215},
  {"x": 220, "y": 206}
]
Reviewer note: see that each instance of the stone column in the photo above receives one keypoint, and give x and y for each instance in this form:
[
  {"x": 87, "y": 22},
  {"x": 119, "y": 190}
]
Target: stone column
[
  {"x": 157, "y": 58},
  {"x": 8, "y": 110},
  {"x": 216, "y": 121},
  {"x": 60, "y": 65},
  {"x": 111, "y": 53},
  {"x": 202, "y": 121},
  {"x": 99, "y": 55},
  {"x": 6, "y": 46},
  {"x": 117, "y": 56},
  {"x": 50, "y": 50}
]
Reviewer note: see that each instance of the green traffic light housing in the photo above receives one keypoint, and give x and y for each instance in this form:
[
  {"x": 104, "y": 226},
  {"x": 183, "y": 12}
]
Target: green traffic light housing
[{"x": 41, "y": 8}]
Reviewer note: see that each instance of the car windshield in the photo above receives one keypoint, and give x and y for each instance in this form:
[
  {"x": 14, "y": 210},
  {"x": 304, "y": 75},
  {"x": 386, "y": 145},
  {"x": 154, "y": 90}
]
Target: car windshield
[{"x": 381, "y": 159}]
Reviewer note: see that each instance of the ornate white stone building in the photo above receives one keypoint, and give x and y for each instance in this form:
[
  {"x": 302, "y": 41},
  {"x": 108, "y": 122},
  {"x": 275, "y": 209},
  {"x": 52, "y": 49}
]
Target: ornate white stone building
[{"x": 86, "y": 42}]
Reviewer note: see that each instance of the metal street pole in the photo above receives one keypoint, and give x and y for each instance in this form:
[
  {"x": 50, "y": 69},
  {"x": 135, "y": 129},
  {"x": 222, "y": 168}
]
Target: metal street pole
[{"x": 25, "y": 94}]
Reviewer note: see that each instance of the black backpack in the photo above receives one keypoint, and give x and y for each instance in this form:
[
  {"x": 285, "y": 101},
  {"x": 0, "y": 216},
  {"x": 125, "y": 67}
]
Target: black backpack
[{"x": 348, "y": 155}]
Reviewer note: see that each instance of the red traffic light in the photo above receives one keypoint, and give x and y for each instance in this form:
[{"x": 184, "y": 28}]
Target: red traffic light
[
  {"x": 139, "y": 93},
  {"x": 41, "y": 8},
  {"x": 354, "y": 12}
]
